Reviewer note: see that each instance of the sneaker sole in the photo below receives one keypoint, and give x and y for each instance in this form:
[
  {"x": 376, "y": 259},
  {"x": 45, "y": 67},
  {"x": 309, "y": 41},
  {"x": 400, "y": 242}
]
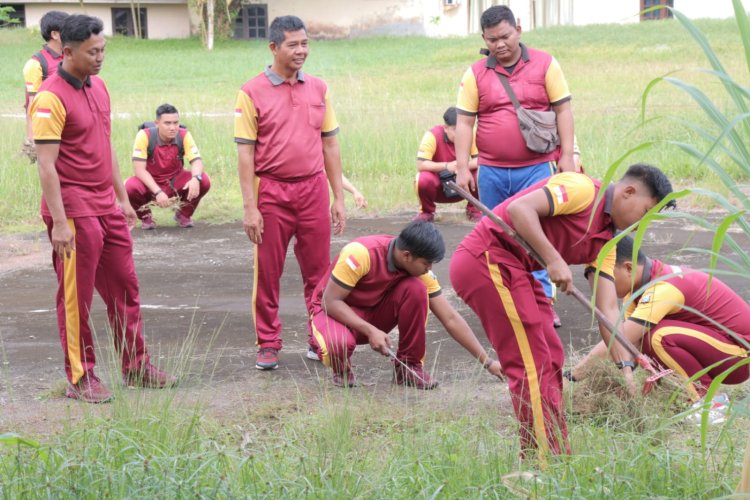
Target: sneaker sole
[
  {"x": 266, "y": 367},
  {"x": 312, "y": 356},
  {"x": 74, "y": 395}
]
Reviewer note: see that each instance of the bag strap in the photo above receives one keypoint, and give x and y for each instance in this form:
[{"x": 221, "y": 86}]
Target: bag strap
[
  {"x": 43, "y": 63},
  {"x": 509, "y": 90}
]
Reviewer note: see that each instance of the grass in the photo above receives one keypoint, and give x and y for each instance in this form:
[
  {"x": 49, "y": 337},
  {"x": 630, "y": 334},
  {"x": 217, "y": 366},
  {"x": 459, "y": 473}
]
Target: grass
[{"x": 386, "y": 92}]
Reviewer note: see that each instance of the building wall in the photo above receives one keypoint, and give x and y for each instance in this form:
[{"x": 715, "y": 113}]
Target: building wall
[
  {"x": 345, "y": 18},
  {"x": 164, "y": 21}
]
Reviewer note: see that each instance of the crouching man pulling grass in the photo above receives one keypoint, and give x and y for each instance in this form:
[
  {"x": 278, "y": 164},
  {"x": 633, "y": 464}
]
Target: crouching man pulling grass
[
  {"x": 378, "y": 283},
  {"x": 686, "y": 320}
]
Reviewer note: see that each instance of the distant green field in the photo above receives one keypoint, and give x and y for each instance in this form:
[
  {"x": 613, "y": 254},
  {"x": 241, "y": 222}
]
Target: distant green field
[{"x": 386, "y": 92}]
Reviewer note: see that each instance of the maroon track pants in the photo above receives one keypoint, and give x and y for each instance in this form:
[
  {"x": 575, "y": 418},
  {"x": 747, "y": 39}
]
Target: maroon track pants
[
  {"x": 102, "y": 260},
  {"x": 140, "y": 195},
  {"x": 517, "y": 318},
  {"x": 405, "y": 306},
  {"x": 289, "y": 209},
  {"x": 687, "y": 349},
  {"x": 430, "y": 192}
]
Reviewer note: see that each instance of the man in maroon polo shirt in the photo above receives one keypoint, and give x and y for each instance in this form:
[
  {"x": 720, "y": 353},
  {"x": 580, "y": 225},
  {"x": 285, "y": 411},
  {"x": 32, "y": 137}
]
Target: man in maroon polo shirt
[
  {"x": 41, "y": 66},
  {"x": 508, "y": 166},
  {"x": 88, "y": 215},
  {"x": 378, "y": 283},
  {"x": 436, "y": 157},
  {"x": 566, "y": 222},
  {"x": 158, "y": 154},
  {"x": 285, "y": 129}
]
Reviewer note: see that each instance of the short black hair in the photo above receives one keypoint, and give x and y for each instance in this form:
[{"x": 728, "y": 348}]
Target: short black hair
[
  {"x": 625, "y": 252},
  {"x": 422, "y": 240},
  {"x": 52, "y": 21},
  {"x": 78, "y": 28},
  {"x": 654, "y": 179},
  {"x": 166, "y": 109},
  {"x": 495, "y": 15},
  {"x": 450, "y": 117},
  {"x": 284, "y": 24}
]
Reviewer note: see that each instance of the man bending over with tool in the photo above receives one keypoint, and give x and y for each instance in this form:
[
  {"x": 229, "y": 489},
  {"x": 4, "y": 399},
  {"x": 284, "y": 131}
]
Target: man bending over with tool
[
  {"x": 565, "y": 221},
  {"x": 685, "y": 319},
  {"x": 378, "y": 283}
]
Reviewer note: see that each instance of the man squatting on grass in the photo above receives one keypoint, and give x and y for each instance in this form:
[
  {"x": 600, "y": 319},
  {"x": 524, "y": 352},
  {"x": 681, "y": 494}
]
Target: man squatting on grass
[
  {"x": 685, "y": 319},
  {"x": 88, "y": 215},
  {"x": 561, "y": 219},
  {"x": 437, "y": 156},
  {"x": 285, "y": 129},
  {"x": 380, "y": 282},
  {"x": 159, "y": 173}
]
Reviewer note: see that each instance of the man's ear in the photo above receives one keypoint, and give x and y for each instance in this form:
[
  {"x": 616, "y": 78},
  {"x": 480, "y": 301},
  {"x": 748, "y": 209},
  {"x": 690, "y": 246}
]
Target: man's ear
[
  {"x": 629, "y": 190},
  {"x": 67, "y": 51},
  {"x": 628, "y": 267}
]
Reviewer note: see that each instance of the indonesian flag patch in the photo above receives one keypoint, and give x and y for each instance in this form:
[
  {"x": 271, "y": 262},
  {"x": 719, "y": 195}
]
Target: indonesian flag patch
[
  {"x": 352, "y": 263},
  {"x": 560, "y": 194},
  {"x": 238, "y": 113},
  {"x": 43, "y": 113}
]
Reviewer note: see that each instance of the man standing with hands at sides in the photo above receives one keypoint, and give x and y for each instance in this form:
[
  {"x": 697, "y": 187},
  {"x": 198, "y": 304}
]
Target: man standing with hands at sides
[
  {"x": 508, "y": 166},
  {"x": 88, "y": 215},
  {"x": 285, "y": 129}
]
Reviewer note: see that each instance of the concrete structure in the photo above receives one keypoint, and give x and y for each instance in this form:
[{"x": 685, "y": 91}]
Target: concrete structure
[
  {"x": 162, "y": 18},
  {"x": 351, "y": 18}
]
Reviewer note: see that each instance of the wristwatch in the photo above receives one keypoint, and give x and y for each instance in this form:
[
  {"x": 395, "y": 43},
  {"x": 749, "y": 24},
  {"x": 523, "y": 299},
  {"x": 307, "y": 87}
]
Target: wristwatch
[{"x": 199, "y": 177}]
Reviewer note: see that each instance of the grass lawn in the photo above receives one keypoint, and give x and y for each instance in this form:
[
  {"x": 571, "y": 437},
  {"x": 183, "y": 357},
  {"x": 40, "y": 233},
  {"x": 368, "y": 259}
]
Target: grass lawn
[{"x": 386, "y": 92}]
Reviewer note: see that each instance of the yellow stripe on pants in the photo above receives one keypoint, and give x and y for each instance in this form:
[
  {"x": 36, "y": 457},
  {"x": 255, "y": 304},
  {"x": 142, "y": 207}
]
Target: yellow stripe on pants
[
  {"x": 526, "y": 355},
  {"x": 658, "y": 347},
  {"x": 72, "y": 314}
]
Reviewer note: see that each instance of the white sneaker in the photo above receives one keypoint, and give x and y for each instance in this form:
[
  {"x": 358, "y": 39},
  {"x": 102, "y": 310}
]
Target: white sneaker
[
  {"x": 717, "y": 411},
  {"x": 311, "y": 354}
]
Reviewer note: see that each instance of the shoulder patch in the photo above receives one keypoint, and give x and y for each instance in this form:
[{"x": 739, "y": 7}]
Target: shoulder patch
[
  {"x": 645, "y": 299},
  {"x": 352, "y": 263}
]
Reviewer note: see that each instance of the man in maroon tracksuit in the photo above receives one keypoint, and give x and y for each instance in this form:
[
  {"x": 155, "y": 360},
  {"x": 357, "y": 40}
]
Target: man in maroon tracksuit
[
  {"x": 567, "y": 221},
  {"x": 285, "y": 129},
  {"x": 88, "y": 215},
  {"x": 378, "y": 283},
  {"x": 437, "y": 158}
]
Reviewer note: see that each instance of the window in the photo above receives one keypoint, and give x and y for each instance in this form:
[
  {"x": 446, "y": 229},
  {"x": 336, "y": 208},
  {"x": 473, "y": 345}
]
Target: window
[
  {"x": 18, "y": 13},
  {"x": 122, "y": 22},
  {"x": 251, "y": 21},
  {"x": 656, "y": 14}
]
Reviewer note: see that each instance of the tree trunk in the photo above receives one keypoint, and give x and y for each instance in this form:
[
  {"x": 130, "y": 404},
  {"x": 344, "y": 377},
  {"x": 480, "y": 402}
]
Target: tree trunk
[{"x": 210, "y": 28}]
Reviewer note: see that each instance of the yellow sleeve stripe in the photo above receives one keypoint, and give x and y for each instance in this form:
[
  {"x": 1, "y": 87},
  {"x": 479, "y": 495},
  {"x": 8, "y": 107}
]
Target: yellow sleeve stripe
[
  {"x": 468, "y": 94},
  {"x": 47, "y": 117},
  {"x": 353, "y": 264},
  {"x": 658, "y": 301},
  {"x": 245, "y": 119},
  {"x": 555, "y": 83},
  {"x": 191, "y": 149},
  {"x": 427, "y": 147}
]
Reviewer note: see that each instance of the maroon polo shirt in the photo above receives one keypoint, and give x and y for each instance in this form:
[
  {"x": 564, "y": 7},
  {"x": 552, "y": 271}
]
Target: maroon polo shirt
[{"x": 76, "y": 115}]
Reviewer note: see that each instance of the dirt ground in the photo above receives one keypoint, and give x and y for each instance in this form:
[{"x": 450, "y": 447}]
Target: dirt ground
[{"x": 196, "y": 293}]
